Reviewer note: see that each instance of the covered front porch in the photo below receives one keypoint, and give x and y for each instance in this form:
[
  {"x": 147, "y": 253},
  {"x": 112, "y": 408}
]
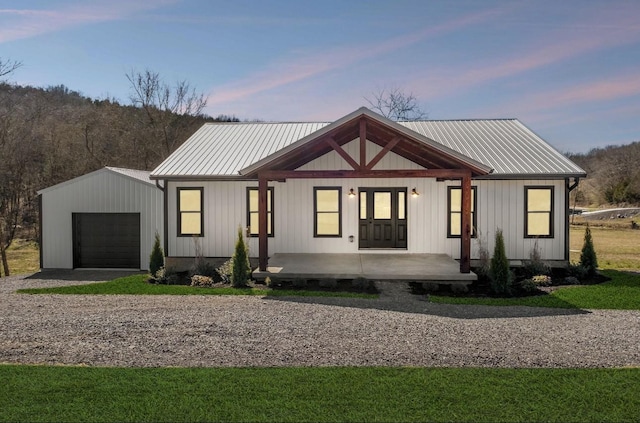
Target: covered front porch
[
  {"x": 437, "y": 268},
  {"x": 366, "y": 131}
]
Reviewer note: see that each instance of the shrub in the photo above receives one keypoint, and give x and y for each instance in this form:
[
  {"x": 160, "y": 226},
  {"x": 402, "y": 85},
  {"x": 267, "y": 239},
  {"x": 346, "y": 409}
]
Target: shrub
[
  {"x": 484, "y": 259},
  {"x": 241, "y": 266},
  {"x": 204, "y": 268},
  {"x": 156, "y": 259},
  {"x": 501, "y": 278},
  {"x": 535, "y": 265},
  {"x": 272, "y": 281},
  {"x": 578, "y": 271},
  {"x": 571, "y": 280},
  {"x": 225, "y": 270},
  {"x": 528, "y": 286},
  {"x": 202, "y": 281},
  {"x": 588, "y": 257},
  {"x": 541, "y": 280},
  {"x": 165, "y": 276}
]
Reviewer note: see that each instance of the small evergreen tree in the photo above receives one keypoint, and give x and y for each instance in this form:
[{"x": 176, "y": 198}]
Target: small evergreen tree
[
  {"x": 500, "y": 273},
  {"x": 241, "y": 267},
  {"x": 588, "y": 258},
  {"x": 156, "y": 259}
]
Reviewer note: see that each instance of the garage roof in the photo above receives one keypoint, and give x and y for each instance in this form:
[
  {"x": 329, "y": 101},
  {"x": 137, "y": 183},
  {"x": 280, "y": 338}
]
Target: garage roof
[{"x": 140, "y": 175}]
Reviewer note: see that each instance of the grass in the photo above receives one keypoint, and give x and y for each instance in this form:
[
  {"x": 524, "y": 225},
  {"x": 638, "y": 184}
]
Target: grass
[
  {"x": 23, "y": 257},
  {"x": 617, "y": 247},
  {"x": 138, "y": 285},
  {"x": 45, "y": 393},
  {"x": 622, "y": 292},
  {"x": 618, "y": 250}
]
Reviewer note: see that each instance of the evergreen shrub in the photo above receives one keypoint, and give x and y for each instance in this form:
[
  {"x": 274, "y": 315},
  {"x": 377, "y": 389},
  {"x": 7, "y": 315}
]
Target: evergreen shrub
[
  {"x": 588, "y": 258},
  {"x": 241, "y": 267},
  {"x": 501, "y": 277},
  {"x": 156, "y": 259}
]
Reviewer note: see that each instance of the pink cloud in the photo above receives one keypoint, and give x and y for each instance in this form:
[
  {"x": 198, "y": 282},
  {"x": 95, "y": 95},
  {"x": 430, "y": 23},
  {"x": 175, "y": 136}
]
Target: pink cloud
[
  {"x": 609, "y": 89},
  {"x": 307, "y": 66},
  {"x": 27, "y": 23},
  {"x": 594, "y": 33}
]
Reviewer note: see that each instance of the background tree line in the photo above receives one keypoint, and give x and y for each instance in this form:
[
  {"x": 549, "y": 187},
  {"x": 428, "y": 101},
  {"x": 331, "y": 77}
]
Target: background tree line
[
  {"x": 613, "y": 176},
  {"x": 50, "y": 135}
]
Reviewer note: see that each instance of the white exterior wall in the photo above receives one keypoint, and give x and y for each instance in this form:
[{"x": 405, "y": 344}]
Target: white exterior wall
[
  {"x": 500, "y": 206},
  {"x": 103, "y": 191}
]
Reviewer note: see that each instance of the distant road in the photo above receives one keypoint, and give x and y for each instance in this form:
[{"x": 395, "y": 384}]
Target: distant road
[{"x": 612, "y": 213}]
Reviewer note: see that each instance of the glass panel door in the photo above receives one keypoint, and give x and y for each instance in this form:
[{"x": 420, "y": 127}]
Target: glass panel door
[{"x": 382, "y": 218}]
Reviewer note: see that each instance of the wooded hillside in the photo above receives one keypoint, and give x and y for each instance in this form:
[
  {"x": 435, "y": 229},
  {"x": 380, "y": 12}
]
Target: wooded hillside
[
  {"x": 613, "y": 176},
  {"x": 50, "y": 135}
]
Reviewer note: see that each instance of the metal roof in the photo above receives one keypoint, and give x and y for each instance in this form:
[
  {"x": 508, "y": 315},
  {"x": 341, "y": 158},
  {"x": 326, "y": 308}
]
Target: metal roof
[
  {"x": 140, "y": 175},
  {"x": 355, "y": 118},
  {"x": 222, "y": 150},
  {"x": 507, "y": 145}
]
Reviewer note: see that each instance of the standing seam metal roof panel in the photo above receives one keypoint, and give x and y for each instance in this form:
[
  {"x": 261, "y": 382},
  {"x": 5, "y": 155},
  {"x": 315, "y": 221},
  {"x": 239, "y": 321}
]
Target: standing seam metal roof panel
[{"x": 506, "y": 145}]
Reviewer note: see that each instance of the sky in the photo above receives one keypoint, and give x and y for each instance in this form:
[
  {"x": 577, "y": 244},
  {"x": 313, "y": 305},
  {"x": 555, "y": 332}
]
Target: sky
[{"x": 567, "y": 69}]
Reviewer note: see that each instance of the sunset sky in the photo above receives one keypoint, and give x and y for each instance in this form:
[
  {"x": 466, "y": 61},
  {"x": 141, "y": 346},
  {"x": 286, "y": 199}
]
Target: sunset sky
[{"x": 569, "y": 70}]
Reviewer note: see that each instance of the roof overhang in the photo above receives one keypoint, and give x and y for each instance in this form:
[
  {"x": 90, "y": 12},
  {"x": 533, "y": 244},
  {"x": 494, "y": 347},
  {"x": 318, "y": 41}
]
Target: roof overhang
[{"x": 374, "y": 128}]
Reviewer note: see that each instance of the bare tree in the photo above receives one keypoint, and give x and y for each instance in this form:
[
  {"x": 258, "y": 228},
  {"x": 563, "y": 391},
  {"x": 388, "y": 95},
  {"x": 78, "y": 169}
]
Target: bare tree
[
  {"x": 18, "y": 170},
  {"x": 8, "y": 66},
  {"x": 169, "y": 110},
  {"x": 396, "y": 105}
]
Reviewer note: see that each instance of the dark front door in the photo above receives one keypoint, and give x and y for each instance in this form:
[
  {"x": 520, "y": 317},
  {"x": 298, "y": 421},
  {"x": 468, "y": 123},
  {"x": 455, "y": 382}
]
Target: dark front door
[
  {"x": 383, "y": 218},
  {"x": 106, "y": 240}
]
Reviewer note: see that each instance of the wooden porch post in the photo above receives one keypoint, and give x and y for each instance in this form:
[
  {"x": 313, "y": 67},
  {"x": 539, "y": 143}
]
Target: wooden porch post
[
  {"x": 263, "y": 246},
  {"x": 465, "y": 241}
]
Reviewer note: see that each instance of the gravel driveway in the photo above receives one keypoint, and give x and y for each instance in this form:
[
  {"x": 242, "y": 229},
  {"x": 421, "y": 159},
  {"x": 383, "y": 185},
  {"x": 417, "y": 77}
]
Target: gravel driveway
[{"x": 208, "y": 331}]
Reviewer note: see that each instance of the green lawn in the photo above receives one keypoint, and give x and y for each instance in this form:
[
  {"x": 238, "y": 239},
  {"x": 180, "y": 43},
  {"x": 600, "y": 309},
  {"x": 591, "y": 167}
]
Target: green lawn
[
  {"x": 621, "y": 293},
  {"x": 44, "y": 393},
  {"x": 138, "y": 285}
]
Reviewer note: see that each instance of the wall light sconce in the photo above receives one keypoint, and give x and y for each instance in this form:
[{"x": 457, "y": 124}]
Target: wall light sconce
[
  {"x": 414, "y": 192},
  {"x": 352, "y": 193}
]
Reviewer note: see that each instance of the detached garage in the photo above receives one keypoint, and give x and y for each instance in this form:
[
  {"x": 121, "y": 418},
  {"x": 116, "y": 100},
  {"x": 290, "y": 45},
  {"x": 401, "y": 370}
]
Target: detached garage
[{"x": 105, "y": 219}]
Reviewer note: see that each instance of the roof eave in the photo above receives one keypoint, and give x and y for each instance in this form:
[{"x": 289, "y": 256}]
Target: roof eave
[
  {"x": 202, "y": 178},
  {"x": 90, "y": 174},
  {"x": 532, "y": 176}
]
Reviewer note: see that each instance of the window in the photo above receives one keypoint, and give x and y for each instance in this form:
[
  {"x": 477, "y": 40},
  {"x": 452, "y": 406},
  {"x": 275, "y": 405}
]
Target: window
[
  {"x": 190, "y": 215},
  {"x": 454, "y": 221},
  {"x": 327, "y": 206},
  {"x": 538, "y": 219},
  {"x": 252, "y": 211}
]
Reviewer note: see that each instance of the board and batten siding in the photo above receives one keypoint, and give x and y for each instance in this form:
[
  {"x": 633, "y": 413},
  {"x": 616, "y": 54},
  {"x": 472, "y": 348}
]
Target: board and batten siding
[
  {"x": 500, "y": 206},
  {"x": 102, "y": 191}
]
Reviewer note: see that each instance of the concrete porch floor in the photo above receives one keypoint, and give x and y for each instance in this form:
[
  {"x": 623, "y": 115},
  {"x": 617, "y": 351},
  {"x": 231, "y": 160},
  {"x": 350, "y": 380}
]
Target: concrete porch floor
[{"x": 376, "y": 267}]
